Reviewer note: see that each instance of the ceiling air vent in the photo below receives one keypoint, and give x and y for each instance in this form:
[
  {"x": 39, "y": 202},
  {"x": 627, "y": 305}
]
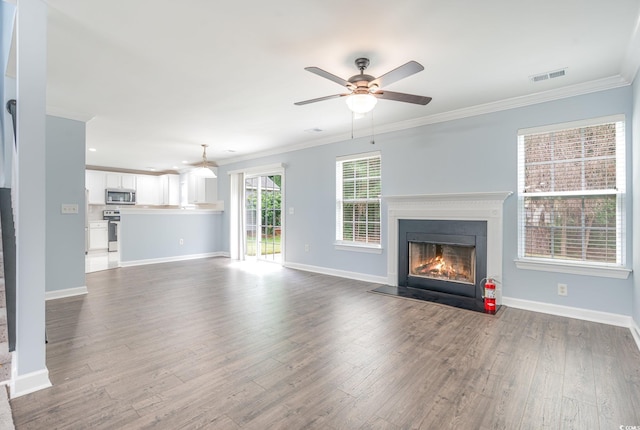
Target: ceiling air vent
[
  {"x": 539, "y": 78},
  {"x": 548, "y": 75}
]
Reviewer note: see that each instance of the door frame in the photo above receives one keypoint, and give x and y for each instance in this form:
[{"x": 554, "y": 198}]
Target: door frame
[{"x": 271, "y": 169}]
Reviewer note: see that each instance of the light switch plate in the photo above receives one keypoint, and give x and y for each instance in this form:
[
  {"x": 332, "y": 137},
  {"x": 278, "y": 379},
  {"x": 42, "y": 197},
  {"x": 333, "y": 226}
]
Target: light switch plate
[{"x": 69, "y": 208}]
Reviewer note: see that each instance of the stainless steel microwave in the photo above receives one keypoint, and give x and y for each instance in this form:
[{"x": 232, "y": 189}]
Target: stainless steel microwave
[{"x": 120, "y": 196}]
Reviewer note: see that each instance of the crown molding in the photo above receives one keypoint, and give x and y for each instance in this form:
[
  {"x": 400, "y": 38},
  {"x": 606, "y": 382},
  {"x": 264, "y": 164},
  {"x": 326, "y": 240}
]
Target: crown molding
[
  {"x": 284, "y": 149},
  {"x": 512, "y": 103},
  {"x": 612, "y": 82}
]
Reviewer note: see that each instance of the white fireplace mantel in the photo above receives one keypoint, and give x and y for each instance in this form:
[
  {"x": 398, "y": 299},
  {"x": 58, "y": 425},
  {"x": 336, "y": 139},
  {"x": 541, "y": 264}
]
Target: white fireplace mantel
[{"x": 459, "y": 206}]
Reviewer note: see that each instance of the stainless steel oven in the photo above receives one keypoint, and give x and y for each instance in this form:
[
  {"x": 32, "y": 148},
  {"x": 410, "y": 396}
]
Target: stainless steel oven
[{"x": 113, "y": 216}]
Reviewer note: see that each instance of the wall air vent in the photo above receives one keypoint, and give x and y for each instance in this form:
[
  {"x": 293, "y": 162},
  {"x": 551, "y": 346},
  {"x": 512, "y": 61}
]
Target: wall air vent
[{"x": 548, "y": 75}]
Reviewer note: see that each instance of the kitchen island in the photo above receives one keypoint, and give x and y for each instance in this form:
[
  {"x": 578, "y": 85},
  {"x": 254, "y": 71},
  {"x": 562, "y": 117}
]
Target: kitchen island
[{"x": 150, "y": 235}]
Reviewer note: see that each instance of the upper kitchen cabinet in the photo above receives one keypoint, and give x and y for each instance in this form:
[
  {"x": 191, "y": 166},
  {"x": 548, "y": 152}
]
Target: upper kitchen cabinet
[
  {"x": 149, "y": 191},
  {"x": 95, "y": 182},
  {"x": 129, "y": 181},
  {"x": 170, "y": 189},
  {"x": 201, "y": 190},
  {"x": 121, "y": 180}
]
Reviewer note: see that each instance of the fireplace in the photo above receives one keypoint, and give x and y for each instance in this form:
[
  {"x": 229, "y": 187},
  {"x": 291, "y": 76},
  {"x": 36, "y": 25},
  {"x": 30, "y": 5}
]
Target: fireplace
[
  {"x": 444, "y": 257},
  {"x": 478, "y": 251}
]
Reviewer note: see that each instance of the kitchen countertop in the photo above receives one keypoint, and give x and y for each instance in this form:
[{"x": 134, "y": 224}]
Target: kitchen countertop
[{"x": 212, "y": 208}]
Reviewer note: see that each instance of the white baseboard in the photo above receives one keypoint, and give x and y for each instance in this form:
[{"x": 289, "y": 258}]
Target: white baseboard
[
  {"x": 67, "y": 292},
  {"x": 341, "y": 273},
  {"x": 635, "y": 332},
  {"x": 173, "y": 259},
  {"x": 28, "y": 383},
  {"x": 570, "y": 312}
]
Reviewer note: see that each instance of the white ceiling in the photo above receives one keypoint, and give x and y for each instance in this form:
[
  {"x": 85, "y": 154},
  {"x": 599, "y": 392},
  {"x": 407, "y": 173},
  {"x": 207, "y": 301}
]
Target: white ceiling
[{"x": 159, "y": 78}]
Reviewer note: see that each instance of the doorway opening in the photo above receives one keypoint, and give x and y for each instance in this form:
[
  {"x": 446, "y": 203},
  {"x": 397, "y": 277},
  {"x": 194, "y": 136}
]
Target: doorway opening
[{"x": 263, "y": 217}]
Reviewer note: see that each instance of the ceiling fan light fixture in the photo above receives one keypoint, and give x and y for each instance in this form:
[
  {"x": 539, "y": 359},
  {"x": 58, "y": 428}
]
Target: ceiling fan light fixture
[{"x": 361, "y": 103}]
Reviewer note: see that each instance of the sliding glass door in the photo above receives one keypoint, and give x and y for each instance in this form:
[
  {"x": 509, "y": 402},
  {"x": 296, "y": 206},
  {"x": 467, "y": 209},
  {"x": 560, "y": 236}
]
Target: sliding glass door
[{"x": 263, "y": 216}]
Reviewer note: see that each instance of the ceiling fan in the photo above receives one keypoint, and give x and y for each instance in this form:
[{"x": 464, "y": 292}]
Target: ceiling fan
[{"x": 365, "y": 89}]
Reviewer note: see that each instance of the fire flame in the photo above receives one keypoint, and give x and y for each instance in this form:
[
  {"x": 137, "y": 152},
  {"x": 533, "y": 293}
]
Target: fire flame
[{"x": 436, "y": 266}]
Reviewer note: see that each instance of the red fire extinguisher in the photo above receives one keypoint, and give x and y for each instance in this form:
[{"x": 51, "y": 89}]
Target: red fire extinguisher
[{"x": 490, "y": 296}]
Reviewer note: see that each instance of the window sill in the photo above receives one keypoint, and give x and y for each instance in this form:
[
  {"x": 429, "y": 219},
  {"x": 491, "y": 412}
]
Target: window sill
[
  {"x": 574, "y": 269},
  {"x": 370, "y": 249}
]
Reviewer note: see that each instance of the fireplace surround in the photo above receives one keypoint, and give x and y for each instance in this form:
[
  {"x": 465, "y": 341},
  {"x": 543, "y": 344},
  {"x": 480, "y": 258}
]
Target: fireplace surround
[{"x": 486, "y": 208}]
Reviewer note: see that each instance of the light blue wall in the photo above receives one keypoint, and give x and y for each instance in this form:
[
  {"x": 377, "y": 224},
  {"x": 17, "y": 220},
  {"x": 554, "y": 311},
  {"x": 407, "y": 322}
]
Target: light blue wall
[
  {"x": 466, "y": 155},
  {"x": 7, "y": 92},
  {"x": 30, "y": 209},
  {"x": 65, "y": 159},
  {"x": 157, "y": 236},
  {"x": 636, "y": 200}
]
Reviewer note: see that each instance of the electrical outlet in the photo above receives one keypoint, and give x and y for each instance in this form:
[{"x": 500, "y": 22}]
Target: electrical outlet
[
  {"x": 306, "y": 247},
  {"x": 562, "y": 290},
  {"x": 69, "y": 208},
  {"x": 181, "y": 241},
  {"x": 291, "y": 211}
]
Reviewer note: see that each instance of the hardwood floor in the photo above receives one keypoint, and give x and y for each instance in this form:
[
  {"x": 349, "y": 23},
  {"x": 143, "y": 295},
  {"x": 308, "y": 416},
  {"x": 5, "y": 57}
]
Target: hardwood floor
[{"x": 223, "y": 345}]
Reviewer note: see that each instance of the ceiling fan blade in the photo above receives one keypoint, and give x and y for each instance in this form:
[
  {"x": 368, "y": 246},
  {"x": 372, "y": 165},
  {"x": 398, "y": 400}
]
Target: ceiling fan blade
[
  {"x": 306, "y": 102},
  {"x": 402, "y": 97},
  {"x": 396, "y": 74},
  {"x": 323, "y": 73}
]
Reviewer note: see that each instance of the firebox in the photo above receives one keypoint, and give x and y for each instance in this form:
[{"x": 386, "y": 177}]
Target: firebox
[
  {"x": 449, "y": 262},
  {"x": 445, "y": 259}
]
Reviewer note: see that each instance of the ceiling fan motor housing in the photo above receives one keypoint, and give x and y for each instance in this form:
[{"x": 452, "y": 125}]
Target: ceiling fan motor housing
[{"x": 361, "y": 82}]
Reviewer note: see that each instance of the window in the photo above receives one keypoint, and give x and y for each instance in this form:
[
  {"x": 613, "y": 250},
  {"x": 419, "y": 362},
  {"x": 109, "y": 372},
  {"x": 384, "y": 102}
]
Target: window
[
  {"x": 571, "y": 190},
  {"x": 358, "y": 200}
]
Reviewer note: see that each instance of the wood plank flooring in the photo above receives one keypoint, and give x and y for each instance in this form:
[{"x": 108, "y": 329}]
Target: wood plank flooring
[{"x": 219, "y": 344}]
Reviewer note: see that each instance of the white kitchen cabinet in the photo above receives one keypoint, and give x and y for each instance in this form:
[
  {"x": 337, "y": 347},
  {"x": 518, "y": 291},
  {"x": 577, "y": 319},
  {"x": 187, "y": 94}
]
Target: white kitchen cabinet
[
  {"x": 201, "y": 190},
  {"x": 195, "y": 189},
  {"x": 149, "y": 191},
  {"x": 170, "y": 189},
  {"x": 95, "y": 182},
  {"x": 121, "y": 180},
  {"x": 129, "y": 180},
  {"x": 114, "y": 180},
  {"x": 98, "y": 235}
]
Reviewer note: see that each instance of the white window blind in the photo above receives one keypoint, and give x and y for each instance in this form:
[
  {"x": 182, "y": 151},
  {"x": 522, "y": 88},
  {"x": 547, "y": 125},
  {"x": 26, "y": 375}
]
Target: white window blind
[
  {"x": 358, "y": 189},
  {"x": 571, "y": 189}
]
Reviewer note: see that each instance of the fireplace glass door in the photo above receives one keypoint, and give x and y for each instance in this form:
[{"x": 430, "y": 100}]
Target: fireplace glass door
[{"x": 446, "y": 262}]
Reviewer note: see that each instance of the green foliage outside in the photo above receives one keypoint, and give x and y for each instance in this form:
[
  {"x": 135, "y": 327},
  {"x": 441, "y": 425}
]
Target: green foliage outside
[
  {"x": 270, "y": 218},
  {"x": 270, "y": 245}
]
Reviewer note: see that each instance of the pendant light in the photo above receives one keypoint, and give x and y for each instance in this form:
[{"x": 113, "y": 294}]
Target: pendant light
[{"x": 204, "y": 171}]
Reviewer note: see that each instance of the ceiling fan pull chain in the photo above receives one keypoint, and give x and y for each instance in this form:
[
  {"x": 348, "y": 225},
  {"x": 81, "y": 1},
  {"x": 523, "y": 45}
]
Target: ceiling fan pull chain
[
  {"x": 353, "y": 114},
  {"x": 373, "y": 133}
]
